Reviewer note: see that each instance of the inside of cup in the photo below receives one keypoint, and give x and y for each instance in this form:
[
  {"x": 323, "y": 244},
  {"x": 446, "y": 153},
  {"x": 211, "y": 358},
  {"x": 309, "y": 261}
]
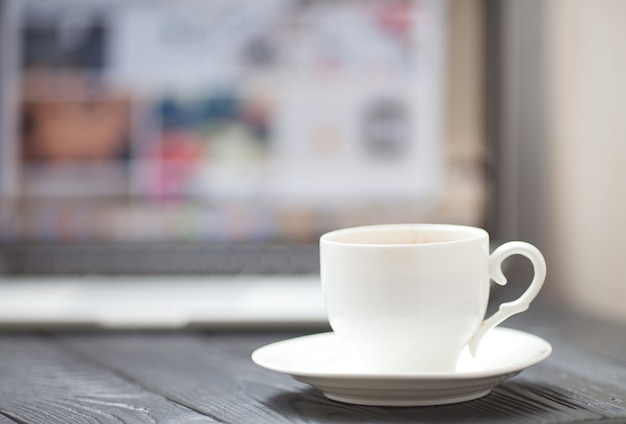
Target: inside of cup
[{"x": 404, "y": 234}]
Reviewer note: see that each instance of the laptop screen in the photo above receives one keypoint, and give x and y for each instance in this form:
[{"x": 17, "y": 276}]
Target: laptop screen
[{"x": 131, "y": 127}]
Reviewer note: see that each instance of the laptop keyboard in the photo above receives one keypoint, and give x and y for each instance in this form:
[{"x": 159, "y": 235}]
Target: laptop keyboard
[{"x": 160, "y": 258}]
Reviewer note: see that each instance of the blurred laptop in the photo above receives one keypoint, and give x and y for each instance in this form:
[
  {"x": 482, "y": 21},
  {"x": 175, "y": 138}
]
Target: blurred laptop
[{"x": 171, "y": 164}]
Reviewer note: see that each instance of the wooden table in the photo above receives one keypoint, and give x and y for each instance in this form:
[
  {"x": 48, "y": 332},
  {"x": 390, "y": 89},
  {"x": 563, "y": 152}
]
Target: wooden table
[{"x": 200, "y": 376}]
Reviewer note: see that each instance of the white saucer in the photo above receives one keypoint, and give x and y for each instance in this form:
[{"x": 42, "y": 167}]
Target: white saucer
[{"x": 321, "y": 361}]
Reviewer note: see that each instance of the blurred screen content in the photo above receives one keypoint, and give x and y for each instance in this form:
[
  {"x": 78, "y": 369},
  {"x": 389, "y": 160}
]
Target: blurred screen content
[{"x": 224, "y": 120}]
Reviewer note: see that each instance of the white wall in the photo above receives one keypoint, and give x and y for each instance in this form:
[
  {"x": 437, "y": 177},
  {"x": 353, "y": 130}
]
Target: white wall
[{"x": 586, "y": 83}]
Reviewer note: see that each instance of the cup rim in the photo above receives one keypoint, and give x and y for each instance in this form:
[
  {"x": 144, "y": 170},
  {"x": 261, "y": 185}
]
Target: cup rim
[{"x": 474, "y": 233}]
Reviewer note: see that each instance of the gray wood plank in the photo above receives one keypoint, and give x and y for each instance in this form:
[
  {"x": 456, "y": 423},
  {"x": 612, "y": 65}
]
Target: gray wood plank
[
  {"x": 6, "y": 420},
  {"x": 41, "y": 381},
  {"x": 214, "y": 374}
]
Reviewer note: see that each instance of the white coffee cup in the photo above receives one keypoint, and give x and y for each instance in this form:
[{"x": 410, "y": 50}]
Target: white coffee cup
[{"x": 410, "y": 297}]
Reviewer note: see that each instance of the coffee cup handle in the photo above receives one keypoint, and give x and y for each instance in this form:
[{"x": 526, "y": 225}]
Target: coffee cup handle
[{"x": 495, "y": 272}]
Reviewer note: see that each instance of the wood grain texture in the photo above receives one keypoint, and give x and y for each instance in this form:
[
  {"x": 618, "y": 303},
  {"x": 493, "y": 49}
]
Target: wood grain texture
[
  {"x": 214, "y": 374},
  {"x": 180, "y": 377},
  {"x": 211, "y": 374},
  {"x": 6, "y": 420},
  {"x": 43, "y": 382}
]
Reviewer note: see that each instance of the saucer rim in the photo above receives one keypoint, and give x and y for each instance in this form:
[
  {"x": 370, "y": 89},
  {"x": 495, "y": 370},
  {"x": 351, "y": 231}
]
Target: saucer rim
[{"x": 516, "y": 367}]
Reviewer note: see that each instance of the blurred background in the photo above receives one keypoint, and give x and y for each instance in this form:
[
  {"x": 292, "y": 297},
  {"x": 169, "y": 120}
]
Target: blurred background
[{"x": 144, "y": 137}]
